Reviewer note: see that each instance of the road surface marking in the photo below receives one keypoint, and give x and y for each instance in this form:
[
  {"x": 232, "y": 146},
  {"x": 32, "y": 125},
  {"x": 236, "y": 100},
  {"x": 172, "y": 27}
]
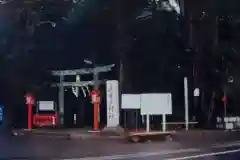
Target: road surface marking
[
  {"x": 137, "y": 155},
  {"x": 205, "y": 155},
  {"x": 160, "y": 153},
  {"x": 232, "y": 144}
]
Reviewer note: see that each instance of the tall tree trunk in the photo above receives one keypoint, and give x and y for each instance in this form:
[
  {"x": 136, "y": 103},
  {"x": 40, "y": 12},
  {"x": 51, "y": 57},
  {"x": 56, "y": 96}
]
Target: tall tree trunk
[
  {"x": 211, "y": 110},
  {"x": 120, "y": 49}
]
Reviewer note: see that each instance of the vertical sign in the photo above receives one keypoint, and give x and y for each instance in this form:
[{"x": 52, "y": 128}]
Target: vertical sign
[
  {"x": 1, "y": 113},
  {"x": 112, "y": 103}
]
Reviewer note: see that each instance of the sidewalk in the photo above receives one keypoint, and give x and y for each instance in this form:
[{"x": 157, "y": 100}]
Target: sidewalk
[
  {"x": 198, "y": 137},
  {"x": 191, "y": 136},
  {"x": 81, "y": 133}
]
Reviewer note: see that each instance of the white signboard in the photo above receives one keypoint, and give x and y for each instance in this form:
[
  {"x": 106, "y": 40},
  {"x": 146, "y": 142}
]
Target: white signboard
[
  {"x": 196, "y": 92},
  {"x": 156, "y": 104},
  {"x": 112, "y": 103},
  {"x": 46, "y": 106},
  {"x": 131, "y": 101}
]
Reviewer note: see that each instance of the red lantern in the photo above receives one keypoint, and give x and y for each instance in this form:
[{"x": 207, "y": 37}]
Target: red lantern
[
  {"x": 224, "y": 100},
  {"x": 29, "y": 99},
  {"x": 95, "y": 96}
]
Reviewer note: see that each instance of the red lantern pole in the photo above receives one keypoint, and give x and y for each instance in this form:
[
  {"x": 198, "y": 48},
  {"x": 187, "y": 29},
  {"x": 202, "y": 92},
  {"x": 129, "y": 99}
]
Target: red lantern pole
[
  {"x": 29, "y": 102},
  {"x": 95, "y": 101},
  {"x": 95, "y": 125},
  {"x": 29, "y": 116}
]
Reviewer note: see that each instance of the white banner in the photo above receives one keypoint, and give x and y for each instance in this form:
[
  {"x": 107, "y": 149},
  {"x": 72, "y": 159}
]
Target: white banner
[{"x": 112, "y": 103}]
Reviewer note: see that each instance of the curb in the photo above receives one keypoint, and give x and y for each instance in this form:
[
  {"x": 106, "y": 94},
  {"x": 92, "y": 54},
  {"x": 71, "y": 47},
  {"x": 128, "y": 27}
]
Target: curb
[
  {"x": 206, "y": 136},
  {"x": 81, "y": 136}
]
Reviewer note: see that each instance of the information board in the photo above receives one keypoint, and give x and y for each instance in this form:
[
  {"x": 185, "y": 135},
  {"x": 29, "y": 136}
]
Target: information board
[
  {"x": 46, "y": 106},
  {"x": 156, "y": 104},
  {"x": 131, "y": 101}
]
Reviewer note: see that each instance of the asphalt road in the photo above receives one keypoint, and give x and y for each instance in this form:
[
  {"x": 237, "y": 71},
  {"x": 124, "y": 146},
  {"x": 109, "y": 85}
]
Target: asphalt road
[{"x": 39, "y": 147}]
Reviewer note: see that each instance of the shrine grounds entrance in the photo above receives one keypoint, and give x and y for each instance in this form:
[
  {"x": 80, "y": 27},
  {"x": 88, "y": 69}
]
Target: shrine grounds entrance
[
  {"x": 79, "y": 111},
  {"x": 74, "y": 104}
]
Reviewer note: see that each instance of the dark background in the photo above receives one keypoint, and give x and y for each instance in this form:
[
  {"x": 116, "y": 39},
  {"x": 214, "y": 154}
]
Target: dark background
[{"x": 156, "y": 48}]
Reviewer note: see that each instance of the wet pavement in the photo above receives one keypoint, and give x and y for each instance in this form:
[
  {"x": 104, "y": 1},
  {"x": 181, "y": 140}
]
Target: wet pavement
[
  {"x": 232, "y": 153},
  {"x": 32, "y": 147},
  {"x": 180, "y": 148}
]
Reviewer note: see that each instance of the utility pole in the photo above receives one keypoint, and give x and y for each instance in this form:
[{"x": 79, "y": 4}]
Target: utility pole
[
  {"x": 61, "y": 100},
  {"x": 119, "y": 41},
  {"x": 186, "y": 103},
  {"x": 119, "y": 50}
]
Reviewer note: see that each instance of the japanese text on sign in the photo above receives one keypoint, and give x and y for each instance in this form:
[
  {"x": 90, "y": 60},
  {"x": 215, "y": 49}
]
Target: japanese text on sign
[{"x": 112, "y": 104}]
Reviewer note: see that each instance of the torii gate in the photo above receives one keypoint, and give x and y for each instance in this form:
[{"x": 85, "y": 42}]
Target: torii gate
[{"x": 78, "y": 83}]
